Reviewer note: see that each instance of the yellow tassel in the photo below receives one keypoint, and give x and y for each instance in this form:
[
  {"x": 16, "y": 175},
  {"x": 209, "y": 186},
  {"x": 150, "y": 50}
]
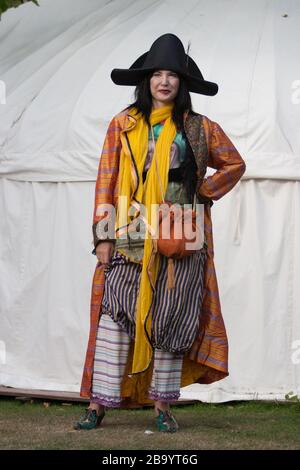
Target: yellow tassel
[{"x": 171, "y": 278}]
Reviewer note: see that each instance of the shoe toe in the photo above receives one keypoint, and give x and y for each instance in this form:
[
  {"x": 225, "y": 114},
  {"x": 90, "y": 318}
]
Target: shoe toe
[{"x": 89, "y": 421}]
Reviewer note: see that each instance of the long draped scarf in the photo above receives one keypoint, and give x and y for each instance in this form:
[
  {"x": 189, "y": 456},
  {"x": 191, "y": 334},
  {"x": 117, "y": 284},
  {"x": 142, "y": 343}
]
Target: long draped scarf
[{"x": 133, "y": 192}]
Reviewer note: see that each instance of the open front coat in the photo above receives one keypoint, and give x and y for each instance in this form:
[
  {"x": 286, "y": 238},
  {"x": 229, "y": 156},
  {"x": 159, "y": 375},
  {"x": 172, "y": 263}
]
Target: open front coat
[{"x": 207, "y": 361}]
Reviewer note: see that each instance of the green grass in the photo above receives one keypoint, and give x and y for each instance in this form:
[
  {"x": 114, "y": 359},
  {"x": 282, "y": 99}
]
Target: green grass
[
  {"x": 238, "y": 425},
  {"x": 6, "y": 4}
]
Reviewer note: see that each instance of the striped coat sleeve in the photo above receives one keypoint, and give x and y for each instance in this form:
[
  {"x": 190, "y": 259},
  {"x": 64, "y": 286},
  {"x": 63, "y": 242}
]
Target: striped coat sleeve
[
  {"x": 108, "y": 171},
  {"x": 224, "y": 157}
]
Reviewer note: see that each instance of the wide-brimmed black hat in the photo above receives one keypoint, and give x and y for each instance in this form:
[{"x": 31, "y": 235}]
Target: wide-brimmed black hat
[{"x": 166, "y": 53}]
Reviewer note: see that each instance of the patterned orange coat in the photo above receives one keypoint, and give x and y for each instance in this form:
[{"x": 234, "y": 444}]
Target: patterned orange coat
[{"x": 207, "y": 361}]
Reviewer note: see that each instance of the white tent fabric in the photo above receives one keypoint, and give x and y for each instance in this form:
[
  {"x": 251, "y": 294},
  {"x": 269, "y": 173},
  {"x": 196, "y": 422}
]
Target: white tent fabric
[
  {"x": 60, "y": 96},
  {"x": 55, "y": 61}
]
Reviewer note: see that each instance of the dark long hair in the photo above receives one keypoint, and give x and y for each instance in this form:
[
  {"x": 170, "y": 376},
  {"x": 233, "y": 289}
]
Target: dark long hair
[
  {"x": 143, "y": 101},
  {"x": 182, "y": 103}
]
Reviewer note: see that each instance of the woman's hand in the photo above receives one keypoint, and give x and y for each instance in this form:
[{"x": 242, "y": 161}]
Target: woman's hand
[{"x": 104, "y": 251}]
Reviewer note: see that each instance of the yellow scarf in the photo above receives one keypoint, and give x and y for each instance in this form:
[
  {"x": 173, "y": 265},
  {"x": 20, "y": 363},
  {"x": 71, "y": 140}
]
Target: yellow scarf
[{"x": 131, "y": 185}]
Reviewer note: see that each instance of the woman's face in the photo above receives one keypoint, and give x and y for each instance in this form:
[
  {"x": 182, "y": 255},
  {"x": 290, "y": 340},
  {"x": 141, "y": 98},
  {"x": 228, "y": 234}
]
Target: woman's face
[{"x": 164, "y": 85}]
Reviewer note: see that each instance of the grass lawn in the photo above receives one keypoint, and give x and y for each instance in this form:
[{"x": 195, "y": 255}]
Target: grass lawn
[{"x": 235, "y": 425}]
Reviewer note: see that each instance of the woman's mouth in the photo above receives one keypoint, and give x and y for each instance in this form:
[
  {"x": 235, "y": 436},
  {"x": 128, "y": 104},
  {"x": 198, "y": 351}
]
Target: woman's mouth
[{"x": 164, "y": 92}]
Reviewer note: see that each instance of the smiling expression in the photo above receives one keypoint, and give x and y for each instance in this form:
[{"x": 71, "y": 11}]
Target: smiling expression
[{"x": 164, "y": 85}]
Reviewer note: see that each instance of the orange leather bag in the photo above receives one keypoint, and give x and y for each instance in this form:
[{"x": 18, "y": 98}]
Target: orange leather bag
[{"x": 180, "y": 232}]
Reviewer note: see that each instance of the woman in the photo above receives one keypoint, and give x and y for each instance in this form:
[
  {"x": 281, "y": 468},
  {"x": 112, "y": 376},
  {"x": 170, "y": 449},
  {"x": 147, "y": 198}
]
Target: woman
[{"x": 146, "y": 341}]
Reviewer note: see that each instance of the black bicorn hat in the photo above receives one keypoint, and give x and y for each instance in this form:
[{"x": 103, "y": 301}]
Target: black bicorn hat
[{"x": 166, "y": 53}]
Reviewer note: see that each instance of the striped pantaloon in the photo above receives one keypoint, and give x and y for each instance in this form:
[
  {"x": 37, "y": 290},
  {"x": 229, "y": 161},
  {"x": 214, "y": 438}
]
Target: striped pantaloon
[
  {"x": 112, "y": 348},
  {"x": 175, "y": 319}
]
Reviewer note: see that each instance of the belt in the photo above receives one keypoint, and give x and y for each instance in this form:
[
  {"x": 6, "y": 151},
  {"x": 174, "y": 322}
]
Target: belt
[{"x": 175, "y": 174}]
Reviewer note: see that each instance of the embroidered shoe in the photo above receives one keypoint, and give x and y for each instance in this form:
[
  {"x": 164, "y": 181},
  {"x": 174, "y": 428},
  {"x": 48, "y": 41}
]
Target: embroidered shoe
[
  {"x": 90, "y": 420},
  {"x": 166, "y": 422}
]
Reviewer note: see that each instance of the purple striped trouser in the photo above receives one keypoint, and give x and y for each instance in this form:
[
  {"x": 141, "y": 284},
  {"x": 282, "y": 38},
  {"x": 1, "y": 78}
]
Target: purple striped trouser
[{"x": 112, "y": 348}]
